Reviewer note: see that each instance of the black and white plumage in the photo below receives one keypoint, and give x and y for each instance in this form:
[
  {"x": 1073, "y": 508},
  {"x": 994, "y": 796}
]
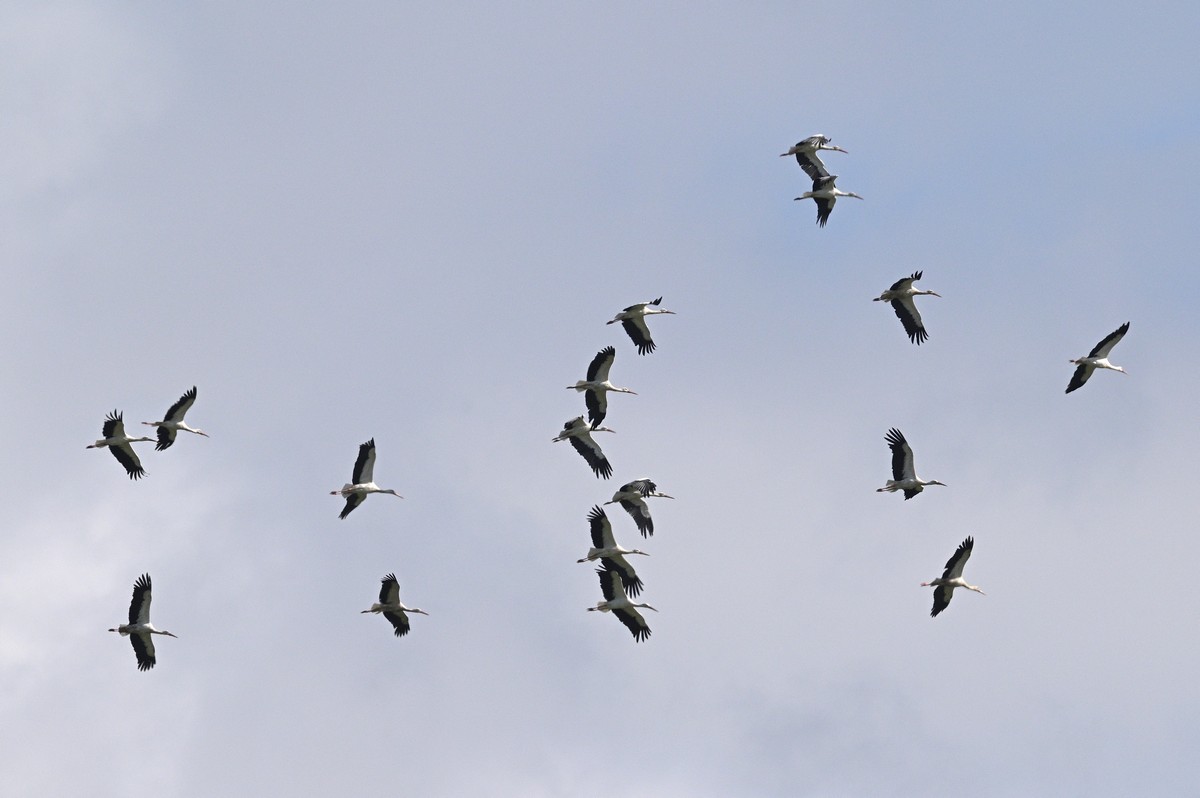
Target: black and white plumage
[
  {"x": 363, "y": 485},
  {"x": 952, "y": 578},
  {"x": 825, "y": 193},
  {"x": 1097, "y": 358},
  {"x": 616, "y": 602},
  {"x": 605, "y": 547},
  {"x": 633, "y": 319},
  {"x": 806, "y": 154},
  {"x": 900, "y": 295},
  {"x": 632, "y": 497},
  {"x": 579, "y": 433},
  {"x": 389, "y": 604},
  {"x": 139, "y": 629},
  {"x": 119, "y": 444},
  {"x": 904, "y": 475},
  {"x": 173, "y": 421},
  {"x": 597, "y": 386}
]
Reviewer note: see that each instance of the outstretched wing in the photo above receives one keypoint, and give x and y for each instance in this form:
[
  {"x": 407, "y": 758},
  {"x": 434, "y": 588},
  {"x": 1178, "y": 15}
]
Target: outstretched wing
[
  {"x": 364, "y": 466},
  {"x": 910, "y": 317},
  {"x": 1082, "y": 372},
  {"x": 352, "y": 501},
  {"x": 176, "y": 412},
  {"x": 1112, "y": 339}
]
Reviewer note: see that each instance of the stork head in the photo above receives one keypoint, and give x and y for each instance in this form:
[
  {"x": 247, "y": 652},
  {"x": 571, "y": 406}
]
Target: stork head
[
  {"x": 417, "y": 611},
  {"x": 392, "y": 492}
]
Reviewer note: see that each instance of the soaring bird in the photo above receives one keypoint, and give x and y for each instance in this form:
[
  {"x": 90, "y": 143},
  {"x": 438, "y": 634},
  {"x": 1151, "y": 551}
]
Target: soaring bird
[
  {"x": 597, "y": 386},
  {"x": 806, "y": 154},
  {"x": 363, "y": 485},
  {"x": 901, "y": 296},
  {"x": 389, "y": 604},
  {"x": 1097, "y": 358},
  {"x": 952, "y": 578},
  {"x": 119, "y": 444},
  {"x": 579, "y": 433},
  {"x": 632, "y": 497},
  {"x": 605, "y": 547},
  {"x": 904, "y": 475},
  {"x": 825, "y": 194},
  {"x": 139, "y": 629},
  {"x": 173, "y": 421},
  {"x": 616, "y": 602},
  {"x": 633, "y": 319}
]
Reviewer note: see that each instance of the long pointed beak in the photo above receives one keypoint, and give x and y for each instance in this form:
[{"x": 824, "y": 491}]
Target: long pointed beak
[
  {"x": 837, "y": 148},
  {"x": 650, "y": 608},
  {"x": 934, "y": 293},
  {"x": 664, "y": 496}
]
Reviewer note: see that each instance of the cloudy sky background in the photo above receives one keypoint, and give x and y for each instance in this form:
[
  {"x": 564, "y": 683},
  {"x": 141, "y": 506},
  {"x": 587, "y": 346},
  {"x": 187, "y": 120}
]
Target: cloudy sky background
[{"x": 411, "y": 223}]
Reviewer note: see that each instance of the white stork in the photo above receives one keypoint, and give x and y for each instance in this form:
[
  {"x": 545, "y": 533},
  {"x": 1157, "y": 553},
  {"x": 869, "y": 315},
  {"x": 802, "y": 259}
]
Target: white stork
[
  {"x": 597, "y": 386},
  {"x": 1097, "y": 358},
  {"x": 363, "y": 484},
  {"x": 173, "y": 421},
  {"x": 825, "y": 194},
  {"x": 633, "y": 319},
  {"x": 389, "y": 604},
  {"x": 139, "y": 629},
  {"x": 616, "y": 602},
  {"x": 579, "y": 433},
  {"x": 901, "y": 296},
  {"x": 119, "y": 444},
  {"x": 904, "y": 475},
  {"x": 631, "y": 496},
  {"x": 952, "y": 578},
  {"x": 605, "y": 547},
  {"x": 806, "y": 154}
]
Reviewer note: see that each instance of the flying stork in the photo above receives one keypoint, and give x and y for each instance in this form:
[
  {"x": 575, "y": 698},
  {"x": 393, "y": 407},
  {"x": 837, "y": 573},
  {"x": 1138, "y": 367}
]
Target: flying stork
[
  {"x": 363, "y": 485},
  {"x": 1097, "y": 358},
  {"x": 173, "y": 421},
  {"x": 579, "y": 433},
  {"x": 825, "y": 194},
  {"x": 806, "y": 154},
  {"x": 631, "y": 496},
  {"x": 597, "y": 386},
  {"x": 952, "y": 578},
  {"x": 139, "y": 629},
  {"x": 616, "y": 602},
  {"x": 904, "y": 475},
  {"x": 119, "y": 444},
  {"x": 605, "y": 547},
  {"x": 633, "y": 319},
  {"x": 389, "y": 604},
  {"x": 901, "y": 296}
]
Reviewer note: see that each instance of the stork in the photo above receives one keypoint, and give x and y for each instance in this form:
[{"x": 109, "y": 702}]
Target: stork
[
  {"x": 605, "y": 547},
  {"x": 139, "y": 629},
  {"x": 825, "y": 194},
  {"x": 597, "y": 386},
  {"x": 904, "y": 475},
  {"x": 173, "y": 421},
  {"x": 631, "y": 496},
  {"x": 363, "y": 485},
  {"x": 806, "y": 154},
  {"x": 616, "y": 602},
  {"x": 579, "y": 433},
  {"x": 389, "y": 604},
  {"x": 901, "y": 296},
  {"x": 952, "y": 578},
  {"x": 633, "y": 319},
  {"x": 1097, "y": 358},
  {"x": 119, "y": 444}
]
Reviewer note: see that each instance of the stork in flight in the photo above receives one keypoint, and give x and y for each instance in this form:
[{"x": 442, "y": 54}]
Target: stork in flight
[
  {"x": 389, "y": 604},
  {"x": 952, "y": 578},
  {"x": 901, "y": 296},
  {"x": 579, "y": 433},
  {"x": 597, "y": 386},
  {"x": 632, "y": 497},
  {"x": 139, "y": 629},
  {"x": 1097, "y": 358},
  {"x": 173, "y": 421},
  {"x": 633, "y": 319},
  {"x": 904, "y": 475},
  {"x": 605, "y": 547},
  {"x": 119, "y": 444},
  {"x": 616, "y": 602},
  {"x": 825, "y": 194},
  {"x": 363, "y": 485},
  {"x": 806, "y": 154}
]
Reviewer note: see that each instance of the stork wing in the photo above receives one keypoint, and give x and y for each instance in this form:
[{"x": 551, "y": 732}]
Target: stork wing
[
  {"x": 629, "y": 577},
  {"x": 166, "y": 437},
  {"x": 591, "y": 452},
  {"x": 634, "y": 621},
  {"x": 601, "y": 363},
  {"x": 597, "y": 405},
  {"x": 143, "y": 648},
  {"x": 177, "y": 411},
  {"x": 910, "y": 317},
  {"x": 1082, "y": 372},
  {"x": 139, "y": 606},
  {"x": 352, "y": 501},
  {"x": 904, "y": 283},
  {"x": 364, "y": 466},
  {"x": 642, "y": 486},
  {"x": 902, "y": 456},
  {"x": 641, "y": 515},
  {"x": 114, "y": 427},
  {"x": 811, "y": 164},
  {"x": 601, "y": 529},
  {"x": 954, "y": 565},
  {"x": 128, "y": 458},
  {"x": 910, "y": 492},
  {"x": 639, "y": 333},
  {"x": 824, "y": 208},
  {"x": 389, "y": 591},
  {"x": 941, "y": 599},
  {"x": 1112, "y": 339},
  {"x": 399, "y": 621},
  {"x": 610, "y": 583}
]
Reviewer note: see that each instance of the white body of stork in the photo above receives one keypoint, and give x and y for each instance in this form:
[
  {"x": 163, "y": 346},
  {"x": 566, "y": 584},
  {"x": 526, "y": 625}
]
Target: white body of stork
[
  {"x": 389, "y": 604},
  {"x": 825, "y": 193},
  {"x": 806, "y": 154},
  {"x": 173, "y": 421},
  {"x": 900, "y": 295},
  {"x": 597, "y": 386},
  {"x": 904, "y": 474},
  {"x": 139, "y": 629},
  {"x": 605, "y": 547},
  {"x": 119, "y": 444},
  {"x": 632, "y": 496},
  {"x": 1097, "y": 358},
  {"x": 579, "y": 433},
  {"x": 952, "y": 578},
  {"x": 616, "y": 602},
  {"x": 633, "y": 319},
  {"x": 363, "y": 485}
]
